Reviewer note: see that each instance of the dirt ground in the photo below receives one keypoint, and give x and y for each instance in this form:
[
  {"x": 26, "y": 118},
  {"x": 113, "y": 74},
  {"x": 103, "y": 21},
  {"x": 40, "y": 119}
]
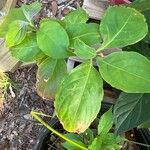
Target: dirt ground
[{"x": 18, "y": 130}]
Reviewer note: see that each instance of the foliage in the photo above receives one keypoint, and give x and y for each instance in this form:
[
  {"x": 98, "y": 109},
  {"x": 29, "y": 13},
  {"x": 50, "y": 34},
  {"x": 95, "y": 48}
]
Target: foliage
[
  {"x": 4, "y": 81},
  {"x": 119, "y": 30},
  {"x": 89, "y": 140},
  {"x": 129, "y": 108},
  {"x": 78, "y": 94},
  {"x": 114, "y": 70}
]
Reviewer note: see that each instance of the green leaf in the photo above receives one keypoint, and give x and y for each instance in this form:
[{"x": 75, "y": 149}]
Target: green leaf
[
  {"x": 50, "y": 73},
  {"x": 54, "y": 20},
  {"x": 140, "y": 47},
  {"x": 16, "y": 33},
  {"x": 140, "y": 5},
  {"x": 144, "y": 7},
  {"x": 53, "y": 39},
  {"x": 122, "y": 26},
  {"x": 147, "y": 16},
  {"x": 31, "y": 10},
  {"x": 131, "y": 110},
  {"x": 111, "y": 142},
  {"x": 88, "y": 136},
  {"x": 84, "y": 51},
  {"x": 76, "y": 17},
  {"x": 28, "y": 50},
  {"x": 77, "y": 103},
  {"x": 126, "y": 71},
  {"x": 106, "y": 142},
  {"x": 105, "y": 123},
  {"x": 14, "y": 14},
  {"x": 74, "y": 137},
  {"x": 96, "y": 144},
  {"x": 88, "y": 33},
  {"x": 146, "y": 124}
]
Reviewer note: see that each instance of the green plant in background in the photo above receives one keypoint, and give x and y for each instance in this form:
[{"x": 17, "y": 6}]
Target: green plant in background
[
  {"x": 4, "y": 84},
  {"x": 89, "y": 140},
  {"x": 78, "y": 94},
  {"x": 4, "y": 81}
]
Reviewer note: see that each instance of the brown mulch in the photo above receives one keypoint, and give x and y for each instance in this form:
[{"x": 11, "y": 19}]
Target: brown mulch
[
  {"x": 18, "y": 130},
  {"x": 54, "y": 8}
]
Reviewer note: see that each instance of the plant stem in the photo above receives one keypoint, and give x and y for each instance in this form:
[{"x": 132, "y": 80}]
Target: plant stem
[
  {"x": 99, "y": 50},
  {"x": 37, "y": 113},
  {"x": 137, "y": 143},
  {"x": 34, "y": 114}
]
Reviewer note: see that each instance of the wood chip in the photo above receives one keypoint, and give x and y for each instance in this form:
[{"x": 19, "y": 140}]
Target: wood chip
[
  {"x": 54, "y": 8},
  {"x": 95, "y": 8}
]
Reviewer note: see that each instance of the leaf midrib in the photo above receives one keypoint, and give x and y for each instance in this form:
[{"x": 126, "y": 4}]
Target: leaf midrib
[
  {"x": 82, "y": 93},
  {"x": 125, "y": 71},
  {"x": 104, "y": 46},
  {"x": 85, "y": 48}
]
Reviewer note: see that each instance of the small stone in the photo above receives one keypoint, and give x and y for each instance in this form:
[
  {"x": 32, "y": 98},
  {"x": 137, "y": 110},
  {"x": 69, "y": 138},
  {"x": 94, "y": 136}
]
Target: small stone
[
  {"x": 28, "y": 117},
  {"x": 15, "y": 133},
  {"x": 60, "y": 1}
]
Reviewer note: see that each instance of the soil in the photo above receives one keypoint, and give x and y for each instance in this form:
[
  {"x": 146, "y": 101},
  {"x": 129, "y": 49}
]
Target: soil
[
  {"x": 54, "y": 8},
  {"x": 18, "y": 130}
]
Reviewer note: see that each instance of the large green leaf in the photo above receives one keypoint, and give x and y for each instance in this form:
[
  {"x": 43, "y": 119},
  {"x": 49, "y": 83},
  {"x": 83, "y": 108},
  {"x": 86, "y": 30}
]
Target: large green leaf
[
  {"x": 31, "y": 10},
  {"x": 131, "y": 110},
  {"x": 14, "y": 14},
  {"x": 16, "y": 33},
  {"x": 76, "y": 17},
  {"x": 53, "y": 39},
  {"x": 50, "y": 73},
  {"x": 144, "y": 7},
  {"x": 122, "y": 26},
  {"x": 105, "y": 123},
  {"x": 88, "y": 33},
  {"x": 79, "y": 97},
  {"x": 128, "y": 71},
  {"x": 83, "y": 51},
  {"x": 28, "y": 50}
]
